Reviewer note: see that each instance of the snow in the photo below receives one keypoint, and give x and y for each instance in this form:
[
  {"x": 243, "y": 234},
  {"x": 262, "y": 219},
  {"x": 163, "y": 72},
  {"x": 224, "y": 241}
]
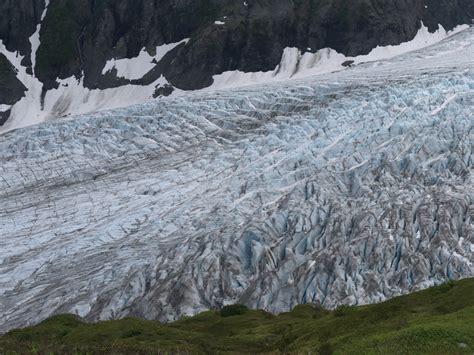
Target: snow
[
  {"x": 136, "y": 68},
  {"x": 28, "y": 108},
  {"x": 71, "y": 97},
  {"x": 35, "y": 38},
  {"x": 297, "y": 65},
  {"x": 310, "y": 190},
  {"x": 444, "y": 105}
]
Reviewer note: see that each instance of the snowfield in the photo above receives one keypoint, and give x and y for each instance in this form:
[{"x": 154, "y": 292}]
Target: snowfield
[{"x": 342, "y": 188}]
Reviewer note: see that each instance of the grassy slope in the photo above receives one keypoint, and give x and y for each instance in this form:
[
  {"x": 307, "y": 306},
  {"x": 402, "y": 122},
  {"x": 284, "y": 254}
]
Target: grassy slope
[{"x": 439, "y": 320}]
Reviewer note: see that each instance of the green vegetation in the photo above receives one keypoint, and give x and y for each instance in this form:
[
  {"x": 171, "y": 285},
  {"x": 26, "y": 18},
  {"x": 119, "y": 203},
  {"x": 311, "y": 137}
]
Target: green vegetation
[
  {"x": 234, "y": 310},
  {"x": 439, "y": 320}
]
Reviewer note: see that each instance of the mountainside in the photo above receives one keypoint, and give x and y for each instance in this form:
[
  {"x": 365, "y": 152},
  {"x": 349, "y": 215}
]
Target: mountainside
[
  {"x": 58, "y": 40},
  {"x": 344, "y": 188},
  {"x": 435, "y": 321}
]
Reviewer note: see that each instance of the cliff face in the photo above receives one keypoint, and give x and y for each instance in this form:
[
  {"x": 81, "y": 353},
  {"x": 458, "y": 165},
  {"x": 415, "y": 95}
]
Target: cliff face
[
  {"x": 18, "y": 22},
  {"x": 77, "y": 37},
  {"x": 11, "y": 89}
]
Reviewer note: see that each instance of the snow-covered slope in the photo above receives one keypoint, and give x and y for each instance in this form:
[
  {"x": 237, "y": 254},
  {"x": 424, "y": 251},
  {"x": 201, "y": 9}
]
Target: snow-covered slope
[
  {"x": 72, "y": 97},
  {"x": 297, "y": 65},
  {"x": 348, "y": 187}
]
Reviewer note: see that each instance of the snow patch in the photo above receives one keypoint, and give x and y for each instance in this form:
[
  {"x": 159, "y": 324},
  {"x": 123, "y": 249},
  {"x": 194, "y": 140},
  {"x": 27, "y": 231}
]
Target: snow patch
[
  {"x": 35, "y": 38},
  {"x": 296, "y": 65},
  {"x": 71, "y": 97},
  {"x": 136, "y": 68}
]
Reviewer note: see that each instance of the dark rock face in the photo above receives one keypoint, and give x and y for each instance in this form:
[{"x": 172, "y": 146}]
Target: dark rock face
[
  {"x": 165, "y": 90},
  {"x": 79, "y": 36},
  {"x": 254, "y": 37},
  {"x": 18, "y": 21},
  {"x": 11, "y": 89},
  {"x": 105, "y": 29}
]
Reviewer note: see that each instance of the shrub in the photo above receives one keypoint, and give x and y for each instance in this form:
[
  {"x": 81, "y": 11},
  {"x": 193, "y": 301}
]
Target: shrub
[
  {"x": 447, "y": 286},
  {"x": 233, "y": 310},
  {"x": 344, "y": 310},
  {"x": 131, "y": 333},
  {"x": 326, "y": 349}
]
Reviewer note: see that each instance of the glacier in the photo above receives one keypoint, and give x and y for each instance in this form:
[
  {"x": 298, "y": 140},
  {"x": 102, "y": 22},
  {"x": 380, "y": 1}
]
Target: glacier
[{"x": 341, "y": 188}]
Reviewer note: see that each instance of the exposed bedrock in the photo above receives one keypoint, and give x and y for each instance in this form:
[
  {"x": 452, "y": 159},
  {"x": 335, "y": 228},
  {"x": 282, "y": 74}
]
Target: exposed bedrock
[{"x": 11, "y": 89}]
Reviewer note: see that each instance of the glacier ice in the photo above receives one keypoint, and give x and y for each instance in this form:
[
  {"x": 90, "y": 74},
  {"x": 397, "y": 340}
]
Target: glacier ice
[{"x": 342, "y": 188}]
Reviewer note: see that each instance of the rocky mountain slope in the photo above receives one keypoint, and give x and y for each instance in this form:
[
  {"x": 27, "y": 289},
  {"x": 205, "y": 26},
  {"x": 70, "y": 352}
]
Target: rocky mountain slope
[
  {"x": 344, "y": 188},
  {"x": 61, "y": 39}
]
